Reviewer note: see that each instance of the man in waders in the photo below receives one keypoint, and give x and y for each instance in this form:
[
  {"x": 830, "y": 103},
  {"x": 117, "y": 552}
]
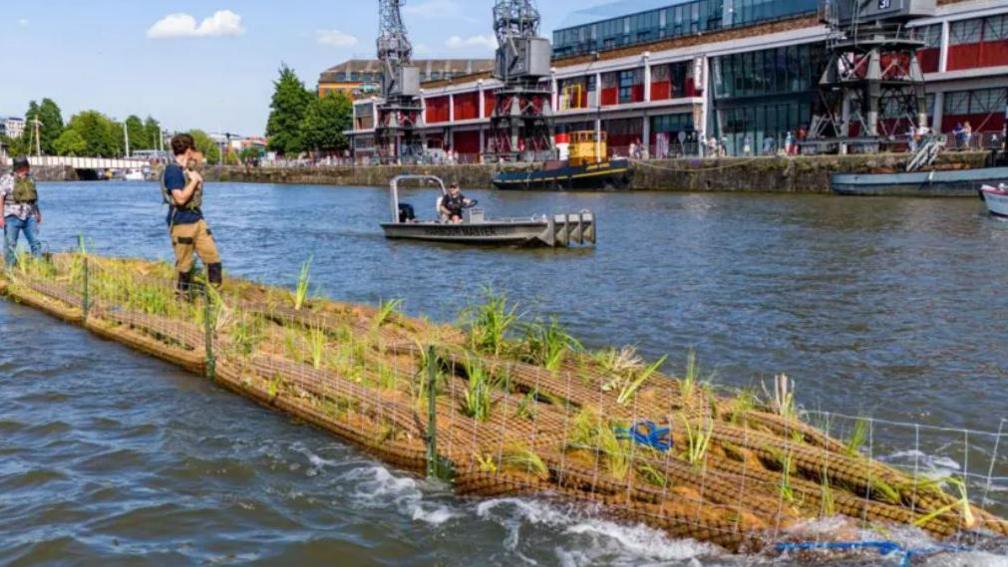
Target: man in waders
[
  {"x": 182, "y": 189},
  {"x": 19, "y": 202}
]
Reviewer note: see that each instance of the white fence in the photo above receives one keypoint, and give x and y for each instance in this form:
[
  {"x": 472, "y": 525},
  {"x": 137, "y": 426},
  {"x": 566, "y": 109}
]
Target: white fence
[{"x": 80, "y": 162}]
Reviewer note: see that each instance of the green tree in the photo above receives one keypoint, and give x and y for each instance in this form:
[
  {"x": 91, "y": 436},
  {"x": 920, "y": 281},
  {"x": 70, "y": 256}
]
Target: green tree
[
  {"x": 70, "y": 143},
  {"x": 137, "y": 133},
  {"x": 324, "y": 122},
  {"x": 50, "y": 123},
  {"x": 103, "y": 136},
  {"x": 153, "y": 130},
  {"x": 287, "y": 110},
  {"x": 206, "y": 144},
  {"x": 250, "y": 153}
]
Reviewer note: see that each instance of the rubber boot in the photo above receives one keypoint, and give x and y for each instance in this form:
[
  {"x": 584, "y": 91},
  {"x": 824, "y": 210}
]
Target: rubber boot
[
  {"x": 184, "y": 285},
  {"x": 215, "y": 274}
]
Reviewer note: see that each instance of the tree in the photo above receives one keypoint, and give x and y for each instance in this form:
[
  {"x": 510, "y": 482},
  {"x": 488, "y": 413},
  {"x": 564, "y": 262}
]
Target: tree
[
  {"x": 137, "y": 133},
  {"x": 70, "y": 143},
  {"x": 153, "y": 131},
  {"x": 287, "y": 109},
  {"x": 102, "y": 135},
  {"x": 206, "y": 144},
  {"x": 50, "y": 123},
  {"x": 250, "y": 153},
  {"x": 324, "y": 122}
]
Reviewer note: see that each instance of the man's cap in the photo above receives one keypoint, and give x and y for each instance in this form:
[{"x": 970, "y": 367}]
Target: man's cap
[{"x": 21, "y": 162}]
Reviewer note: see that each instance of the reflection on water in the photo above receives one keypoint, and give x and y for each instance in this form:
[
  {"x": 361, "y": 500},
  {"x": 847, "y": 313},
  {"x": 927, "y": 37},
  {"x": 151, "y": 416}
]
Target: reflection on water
[{"x": 885, "y": 307}]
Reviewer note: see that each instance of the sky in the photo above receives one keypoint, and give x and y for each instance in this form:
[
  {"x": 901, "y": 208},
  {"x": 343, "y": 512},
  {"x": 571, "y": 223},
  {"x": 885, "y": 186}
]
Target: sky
[{"x": 211, "y": 65}]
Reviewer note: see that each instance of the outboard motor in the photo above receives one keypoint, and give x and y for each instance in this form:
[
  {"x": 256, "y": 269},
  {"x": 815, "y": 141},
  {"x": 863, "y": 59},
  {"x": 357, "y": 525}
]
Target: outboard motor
[{"x": 406, "y": 213}]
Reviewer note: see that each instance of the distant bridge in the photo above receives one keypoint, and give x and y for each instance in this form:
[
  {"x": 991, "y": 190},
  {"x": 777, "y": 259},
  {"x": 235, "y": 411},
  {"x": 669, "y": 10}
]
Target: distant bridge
[{"x": 93, "y": 163}]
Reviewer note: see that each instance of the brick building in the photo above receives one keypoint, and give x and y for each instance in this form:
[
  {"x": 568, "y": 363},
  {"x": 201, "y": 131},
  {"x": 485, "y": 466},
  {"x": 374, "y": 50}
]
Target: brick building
[{"x": 740, "y": 70}]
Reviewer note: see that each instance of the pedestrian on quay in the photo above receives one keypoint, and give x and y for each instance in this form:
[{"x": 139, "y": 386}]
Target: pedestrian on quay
[
  {"x": 182, "y": 189},
  {"x": 967, "y": 134},
  {"x": 21, "y": 213},
  {"x": 957, "y": 133}
]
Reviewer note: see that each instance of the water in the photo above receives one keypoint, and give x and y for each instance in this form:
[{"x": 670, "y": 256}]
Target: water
[{"x": 892, "y": 308}]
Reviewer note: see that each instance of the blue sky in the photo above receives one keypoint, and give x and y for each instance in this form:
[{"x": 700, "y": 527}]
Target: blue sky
[{"x": 213, "y": 69}]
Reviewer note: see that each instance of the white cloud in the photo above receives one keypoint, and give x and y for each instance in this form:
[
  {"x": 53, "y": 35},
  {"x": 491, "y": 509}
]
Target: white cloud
[
  {"x": 222, "y": 23},
  {"x": 484, "y": 41},
  {"x": 335, "y": 38},
  {"x": 422, "y": 49},
  {"x": 23, "y": 23}
]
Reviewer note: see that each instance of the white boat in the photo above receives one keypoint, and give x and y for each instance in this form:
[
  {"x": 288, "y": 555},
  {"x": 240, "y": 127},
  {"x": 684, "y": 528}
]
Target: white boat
[
  {"x": 134, "y": 175},
  {"x": 996, "y": 199},
  {"x": 562, "y": 230}
]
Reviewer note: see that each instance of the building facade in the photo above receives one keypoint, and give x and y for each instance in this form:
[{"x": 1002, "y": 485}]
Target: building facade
[
  {"x": 742, "y": 71},
  {"x": 12, "y": 127}
]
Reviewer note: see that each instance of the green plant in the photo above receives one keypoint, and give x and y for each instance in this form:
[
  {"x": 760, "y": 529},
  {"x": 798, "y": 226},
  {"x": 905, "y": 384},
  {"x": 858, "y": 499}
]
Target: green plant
[
  {"x": 690, "y": 379},
  {"x": 386, "y": 310},
  {"x": 857, "y": 437},
  {"x": 304, "y": 280},
  {"x": 317, "y": 342},
  {"x": 966, "y": 511},
  {"x": 697, "y": 440},
  {"x": 486, "y": 464},
  {"x": 785, "y": 488},
  {"x": 548, "y": 344},
  {"x": 652, "y": 475},
  {"x": 590, "y": 431},
  {"x": 827, "y": 504},
  {"x": 743, "y": 403},
  {"x": 490, "y": 323},
  {"x": 527, "y": 406},
  {"x": 477, "y": 400},
  {"x": 522, "y": 458},
  {"x": 634, "y": 382},
  {"x": 246, "y": 333}
]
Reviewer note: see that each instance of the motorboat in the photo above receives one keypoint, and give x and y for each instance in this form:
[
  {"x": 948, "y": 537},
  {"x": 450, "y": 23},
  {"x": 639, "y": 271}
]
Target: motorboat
[
  {"x": 134, "y": 175},
  {"x": 557, "y": 230},
  {"x": 996, "y": 199}
]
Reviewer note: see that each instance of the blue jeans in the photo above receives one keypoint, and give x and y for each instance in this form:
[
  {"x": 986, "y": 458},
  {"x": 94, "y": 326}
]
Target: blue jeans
[{"x": 13, "y": 227}]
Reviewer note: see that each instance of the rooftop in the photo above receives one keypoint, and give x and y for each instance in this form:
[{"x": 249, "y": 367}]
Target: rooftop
[{"x": 428, "y": 67}]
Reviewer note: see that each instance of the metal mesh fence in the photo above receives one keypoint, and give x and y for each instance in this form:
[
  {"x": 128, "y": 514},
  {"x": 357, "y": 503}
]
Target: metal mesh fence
[{"x": 504, "y": 407}]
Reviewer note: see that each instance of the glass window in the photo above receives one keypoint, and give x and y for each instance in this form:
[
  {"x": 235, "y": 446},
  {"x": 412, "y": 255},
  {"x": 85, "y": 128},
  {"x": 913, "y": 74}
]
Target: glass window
[
  {"x": 965, "y": 31},
  {"x": 995, "y": 28},
  {"x": 957, "y": 102}
]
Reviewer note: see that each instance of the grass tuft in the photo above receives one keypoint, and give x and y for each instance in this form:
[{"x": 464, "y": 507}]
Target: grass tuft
[{"x": 304, "y": 280}]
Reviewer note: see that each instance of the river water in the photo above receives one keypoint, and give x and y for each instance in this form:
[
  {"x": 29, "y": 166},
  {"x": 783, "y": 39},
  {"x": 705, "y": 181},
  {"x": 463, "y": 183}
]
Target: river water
[{"x": 889, "y": 308}]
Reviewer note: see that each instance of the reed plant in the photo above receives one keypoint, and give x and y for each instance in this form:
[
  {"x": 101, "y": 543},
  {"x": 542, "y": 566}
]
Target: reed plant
[
  {"x": 520, "y": 457},
  {"x": 652, "y": 475},
  {"x": 317, "y": 344},
  {"x": 304, "y": 280},
  {"x": 591, "y": 431},
  {"x": 387, "y": 310},
  {"x": 485, "y": 463},
  {"x": 490, "y": 323},
  {"x": 697, "y": 440},
  {"x": 477, "y": 400},
  {"x": 548, "y": 344},
  {"x": 858, "y": 437},
  {"x": 636, "y": 380}
]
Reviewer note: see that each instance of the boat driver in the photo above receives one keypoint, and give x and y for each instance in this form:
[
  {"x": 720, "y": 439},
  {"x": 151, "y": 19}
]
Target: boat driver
[{"x": 451, "y": 205}]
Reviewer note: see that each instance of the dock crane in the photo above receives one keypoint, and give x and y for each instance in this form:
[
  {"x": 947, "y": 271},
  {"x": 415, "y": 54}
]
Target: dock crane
[
  {"x": 521, "y": 124},
  {"x": 399, "y": 112},
  {"x": 871, "y": 93}
]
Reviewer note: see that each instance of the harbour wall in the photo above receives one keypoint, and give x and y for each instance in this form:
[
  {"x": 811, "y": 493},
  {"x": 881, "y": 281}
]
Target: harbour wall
[{"x": 796, "y": 174}]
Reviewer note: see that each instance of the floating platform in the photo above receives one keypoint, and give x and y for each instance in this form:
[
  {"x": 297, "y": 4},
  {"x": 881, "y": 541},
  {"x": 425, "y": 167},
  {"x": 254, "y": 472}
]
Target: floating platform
[
  {"x": 498, "y": 408},
  {"x": 952, "y": 183}
]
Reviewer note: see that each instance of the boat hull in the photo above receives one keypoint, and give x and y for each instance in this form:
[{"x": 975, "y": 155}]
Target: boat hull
[
  {"x": 612, "y": 175},
  {"x": 558, "y": 231},
  {"x": 958, "y": 183},
  {"x": 996, "y": 200}
]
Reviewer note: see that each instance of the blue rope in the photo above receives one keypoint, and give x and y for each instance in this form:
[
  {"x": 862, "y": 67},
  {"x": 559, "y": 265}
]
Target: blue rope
[
  {"x": 884, "y": 548},
  {"x": 653, "y": 436}
]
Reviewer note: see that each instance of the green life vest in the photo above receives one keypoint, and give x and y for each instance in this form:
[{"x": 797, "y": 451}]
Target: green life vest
[
  {"x": 25, "y": 191},
  {"x": 195, "y": 202}
]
